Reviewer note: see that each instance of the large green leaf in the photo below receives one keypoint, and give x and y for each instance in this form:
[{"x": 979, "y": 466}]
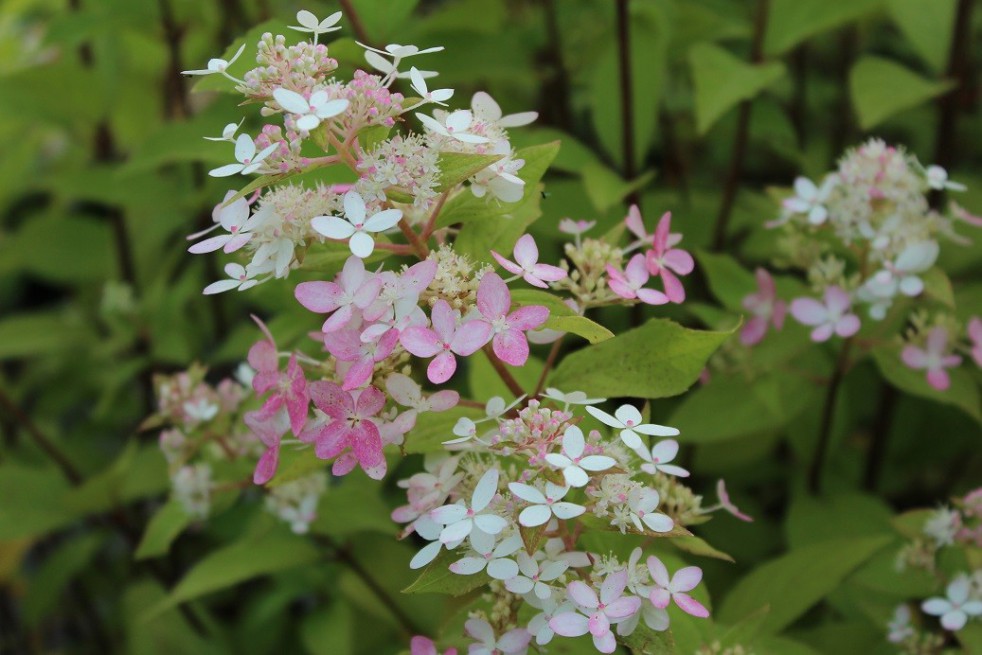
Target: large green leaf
[
  {"x": 329, "y": 631},
  {"x": 165, "y": 526},
  {"x": 48, "y": 585},
  {"x": 881, "y": 88},
  {"x": 722, "y": 81},
  {"x": 789, "y": 22},
  {"x": 455, "y": 167},
  {"x": 927, "y": 24},
  {"x": 963, "y": 392},
  {"x": 658, "y": 359},
  {"x": 268, "y": 553},
  {"x": 794, "y": 582},
  {"x": 811, "y": 520},
  {"x": 437, "y": 578}
]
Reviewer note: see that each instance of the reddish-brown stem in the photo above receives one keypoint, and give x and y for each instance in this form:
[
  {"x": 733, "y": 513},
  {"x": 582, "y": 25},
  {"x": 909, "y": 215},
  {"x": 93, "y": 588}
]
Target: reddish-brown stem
[
  {"x": 419, "y": 246},
  {"x": 357, "y": 26},
  {"x": 397, "y": 248},
  {"x": 45, "y": 444},
  {"x": 431, "y": 223},
  {"x": 504, "y": 373},
  {"x": 550, "y": 362}
]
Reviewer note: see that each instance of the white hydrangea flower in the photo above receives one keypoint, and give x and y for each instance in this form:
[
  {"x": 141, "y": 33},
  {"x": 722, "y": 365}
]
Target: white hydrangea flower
[
  {"x": 310, "y": 112},
  {"x": 357, "y": 227},
  {"x": 454, "y": 126},
  {"x": 628, "y": 419},
  {"x": 572, "y": 462},
  {"x": 310, "y": 24},
  {"x": 544, "y": 505},
  {"x": 245, "y": 154}
]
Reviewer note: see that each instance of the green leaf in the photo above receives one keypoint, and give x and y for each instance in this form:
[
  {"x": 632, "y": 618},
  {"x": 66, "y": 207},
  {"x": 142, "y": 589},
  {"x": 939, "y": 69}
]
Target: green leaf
[
  {"x": 30, "y": 335},
  {"x": 927, "y": 24},
  {"x": 433, "y": 428},
  {"x": 265, "y": 554},
  {"x": 580, "y": 326},
  {"x": 329, "y": 631},
  {"x": 605, "y": 188},
  {"x": 658, "y": 359},
  {"x": 355, "y": 505},
  {"x": 645, "y": 641},
  {"x": 33, "y": 501},
  {"x": 552, "y": 302},
  {"x": 794, "y": 582},
  {"x": 789, "y": 22},
  {"x": 47, "y": 587},
  {"x": 911, "y": 524},
  {"x": 697, "y": 546},
  {"x": 371, "y": 136},
  {"x": 881, "y": 88},
  {"x": 165, "y": 526},
  {"x": 812, "y": 520},
  {"x": 455, "y": 167},
  {"x": 436, "y": 578},
  {"x": 963, "y": 392},
  {"x": 728, "y": 280},
  {"x": 722, "y": 81}
]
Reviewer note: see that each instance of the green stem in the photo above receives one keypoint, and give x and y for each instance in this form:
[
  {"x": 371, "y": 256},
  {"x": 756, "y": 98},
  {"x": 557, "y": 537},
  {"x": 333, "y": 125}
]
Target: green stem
[{"x": 828, "y": 417}]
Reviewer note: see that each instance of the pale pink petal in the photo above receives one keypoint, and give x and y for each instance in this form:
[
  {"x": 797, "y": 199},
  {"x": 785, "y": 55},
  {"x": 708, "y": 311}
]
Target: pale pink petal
[
  {"x": 599, "y": 624},
  {"x": 623, "y": 607},
  {"x": 528, "y": 318},
  {"x": 514, "y": 641},
  {"x": 659, "y": 574},
  {"x": 442, "y": 367},
  {"x": 652, "y": 297},
  {"x": 690, "y": 605},
  {"x": 507, "y": 264},
  {"x": 471, "y": 337},
  {"x": 847, "y": 326},
  {"x": 422, "y": 646},
  {"x": 441, "y": 401},
  {"x": 479, "y": 629},
  {"x": 262, "y": 357},
  {"x": 679, "y": 261},
  {"x": 420, "y": 341},
  {"x": 937, "y": 340},
  {"x": 634, "y": 222},
  {"x": 938, "y": 378},
  {"x": 582, "y": 594},
  {"x": 660, "y": 240},
  {"x": 754, "y": 330},
  {"x": 687, "y": 578},
  {"x": 548, "y": 272},
  {"x": 809, "y": 311},
  {"x": 266, "y": 466},
  {"x": 493, "y": 297},
  {"x": 613, "y": 587},
  {"x": 444, "y": 320},
  {"x": 822, "y": 333},
  {"x": 511, "y": 347},
  {"x": 359, "y": 373},
  {"x": 569, "y": 624},
  {"x": 660, "y": 597},
  {"x": 526, "y": 252},
  {"x": 837, "y": 300},
  {"x": 605, "y": 643}
]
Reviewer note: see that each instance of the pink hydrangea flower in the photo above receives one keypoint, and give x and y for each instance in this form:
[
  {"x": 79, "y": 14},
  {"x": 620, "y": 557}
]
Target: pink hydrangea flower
[
  {"x": 527, "y": 264},
  {"x": 667, "y": 262},
  {"x": 629, "y": 283},
  {"x": 347, "y": 346},
  {"x": 765, "y": 307},
  {"x": 576, "y": 228},
  {"x": 635, "y": 224},
  {"x": 494, "y": 302},
  {"x": 667, "y": 590},
  {"x": 424, "y": 646},
  {"x": 354, "y": 289},
  {"x": 932, "y": 358},
  {"x": 829, "y": 317},
  {"x": 448, "y": 337},
  {"x": 407, "y": 393},
  {"x": 975, "y": 336},
  {"x": 596, "y": 615},
  {"x": 270, "y": 428},
  {"x": 289, "y": 387},
  {"x": 352, "y": 426}
]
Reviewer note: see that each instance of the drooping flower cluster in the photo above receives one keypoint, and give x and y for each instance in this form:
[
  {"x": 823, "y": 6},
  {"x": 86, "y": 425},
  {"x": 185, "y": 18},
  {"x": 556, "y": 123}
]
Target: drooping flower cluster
[
  {"x": 958, "y": 600},
  {"x": 867, "y": 237}
]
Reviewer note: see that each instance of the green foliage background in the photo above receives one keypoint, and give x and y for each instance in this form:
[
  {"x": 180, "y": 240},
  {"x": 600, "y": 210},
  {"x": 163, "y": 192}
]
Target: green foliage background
[{"x": 103, "y": 174}]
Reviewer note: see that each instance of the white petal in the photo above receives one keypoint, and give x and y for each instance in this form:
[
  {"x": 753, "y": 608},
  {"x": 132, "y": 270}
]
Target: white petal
[
  {"x": 628, "y": 415},
  {"x": 456, "y": 531},
  {"x": 573, "y": 441},
  {"x": 362, "y": 244},
  {"x": 354, "y": 207},
  {"x": 468, "y": 565},
  {"x": 307, "y": 122},
  {"x": 448, "y": 514},
  {"x": 631, "y": 439},
  {"x": 597, "y": 462},
  {"x": 459, "y": 121},
  {"x": 332, "y": 108},
  {"x": 467, "y": 137},
  {"x": 432, "y": 124},
  {"x": 527, "y": 492},
  {"x": 220, "y": 287},
  {"x": 604, "y": 417},
  {"x": 383, "y": 220},
  {"x": 490, "y": 523},
  {"x": 534, "y": 516},
  {"x": 566, "y": 510},
  {"x": 502, "y": 569},
  {"x": 291, "y": 101},
  {"x": 333, "y": 227},
  {"x": 307, "y": 19},
  {"x": 225, "y": 171},
  {"x": 658, "y": 522},
  {"x": 426, "y": 555},
  {"x": 575, "y": 476},
  {"x": 485, "y": 490}
]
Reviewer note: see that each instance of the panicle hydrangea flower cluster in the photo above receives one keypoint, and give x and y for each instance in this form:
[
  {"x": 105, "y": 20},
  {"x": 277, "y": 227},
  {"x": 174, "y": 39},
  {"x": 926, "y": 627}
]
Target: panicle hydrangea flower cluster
[
  {"x": 958, "y": 600},
  {"x": 866, "y": 237},
  {"x": 515, "y": 485}
]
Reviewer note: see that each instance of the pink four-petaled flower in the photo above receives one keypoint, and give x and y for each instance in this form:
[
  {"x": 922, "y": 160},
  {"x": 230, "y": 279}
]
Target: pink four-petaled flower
[
  {"x": 354, "y": 289},
  {"x": 445, "y": 339},
  {"x": 494, "y": 302},
  {"x": 766, "y": 308},
  {"x": 668, "y": 262},
  {"x": 527, "y": 264},
  {"x": 829, "y": 317},
  {"x": 596, "y": 615},
  {"x": 933, "y": 358},
  {"x": 352, "y": 426},
  {"x": 290, "y": 387},
  {"x": 629, "y": 283},
  {"x": 667, "y": 590}
]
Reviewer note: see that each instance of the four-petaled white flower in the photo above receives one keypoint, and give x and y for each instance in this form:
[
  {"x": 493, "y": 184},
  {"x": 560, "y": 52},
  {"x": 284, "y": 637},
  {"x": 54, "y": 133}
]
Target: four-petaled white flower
[
  {"x": 544, "y": 506},
  {"x": 628, "y": 419},
  {"x": 454, "y": 126},
  {"x": 675, "y": 588},
  {"x": 899, "y": 626},
  {"x": 494, "y": 559},
  {"x": 309, "y": 23},
  {"x": 245, "y": 153},
  {"x": 572, "y": 462},
  {"x": 438, "y": 96},
  {"x": 571, "y": 398},
  {"x": 534, "y": 577},
  {"x": 398, "y": 52},
  {"x": 240, "y": 278},
  {"x": 459, "y": 520},
  {"x": 357, "y": 229},
  {"x": 218, "y": 66},
  {"x": 236, "y": 219},
  {"x": 527, "y": 264},
  {"x": 957, "y": 607},
  {"x": 485, "y": 108},
  {"x": 810, "y": 199},
  {"x": 658, "y": 458},
  {"x": 643, "y": 503},
  {"x": 310, "y": 112}
]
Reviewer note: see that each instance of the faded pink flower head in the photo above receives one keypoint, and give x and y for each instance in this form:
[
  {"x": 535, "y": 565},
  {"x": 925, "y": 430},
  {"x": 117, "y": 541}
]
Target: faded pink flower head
[
  {"x": 289, "y": 387},
  {"x": 629, "y": 283},
  {"x": 674, "y": 589},
  {"x": 352, "y": 426},
  {"x": 527, "y": 264},
  {"x": 576, "y": 228},
  {"x": 347, "y": 346},
  {"x": 270, "y": 428},
  {"x": 933, "y": 358},
  {"x": 448, "y": 337},
  {"x": 829, "y": 317},
  {"x": 236, "y": 220},
  {"x": 766, "y": 308},
  {"x": 494, "y": 302},
  {"x": 667, "y": 262},
  {"x": 635, "y": 224}
]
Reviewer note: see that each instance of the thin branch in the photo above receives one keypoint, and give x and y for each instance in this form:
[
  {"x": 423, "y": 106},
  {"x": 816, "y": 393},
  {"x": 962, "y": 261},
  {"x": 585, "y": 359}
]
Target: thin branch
[
  {"x": 504, "y": 373},
  {"x": 435, "y": 214},
  {"x": 742, "y": 135},
  {"x": 356, "y": 25},
  {"x": 419, "y": 246},
  {"x": 49, "y": 447},
  {"x": 550, "y": 362},
  {"x": 343, "y": 553},
  {"x": 828, "y": 417}
]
